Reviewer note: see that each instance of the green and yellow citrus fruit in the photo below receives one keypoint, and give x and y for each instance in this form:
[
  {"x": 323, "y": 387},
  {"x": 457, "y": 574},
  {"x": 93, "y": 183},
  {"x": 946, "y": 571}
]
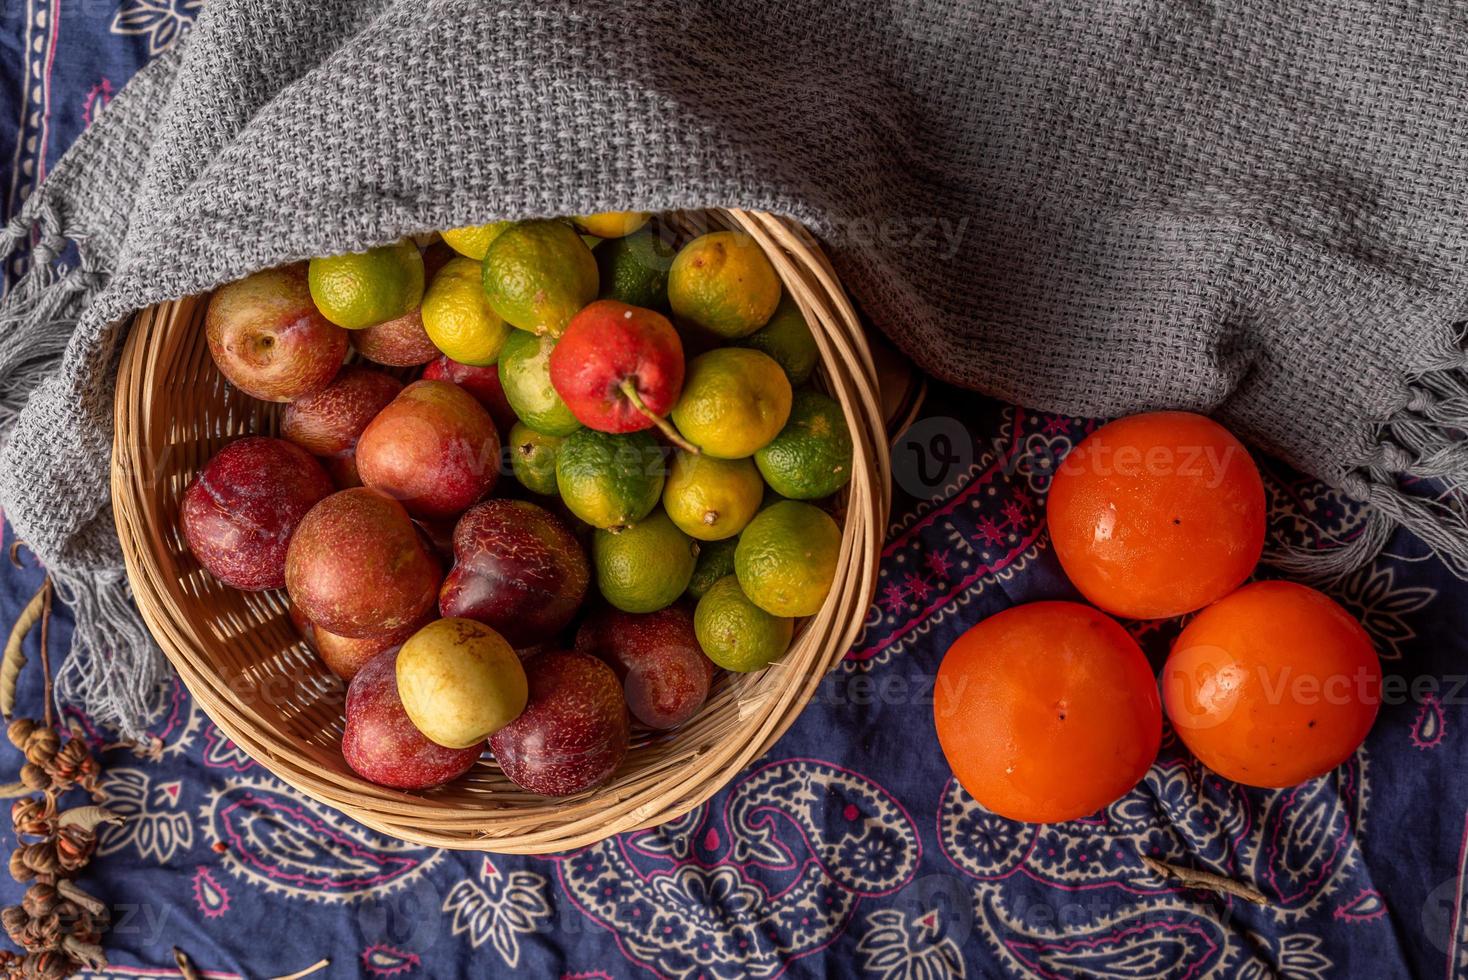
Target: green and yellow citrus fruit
[
  {"x": 610, "y": 481},
  {"x": 734, "y": 401},
  {"x": 787, "y": 338},
  {"x": 611, "y": 224},
  {"x": 710, "y": 498},
  {"x": 645, "y": 567},
  {"x": 811, "y": 457},
  {"x": 786, "y": 558},
  {"x": 457, "y": 317},
  {"x": 525, "y": 375},
  {"x": 473, "y": 241},
  {"x": 363, "y": 289},
  {"x": 538, "y": 274},
  {"x": 735, "y": 633},
  {"x": 634, "y": 270},
  {"x": 723, "y": 283},
  {"x": 715, "y": 560},
  {"x": 533, "y": 458}
]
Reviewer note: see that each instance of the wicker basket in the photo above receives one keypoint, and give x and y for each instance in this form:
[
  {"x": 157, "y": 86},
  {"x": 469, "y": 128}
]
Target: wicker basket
[{"x": 249, "y": 668}]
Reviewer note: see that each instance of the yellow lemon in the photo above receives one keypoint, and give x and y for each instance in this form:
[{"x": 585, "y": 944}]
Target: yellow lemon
[
  {"x": 723, "y": 283},
  {"x": 734, "y": 402},
  {"x": 472, "y": 241},
  {"x": 457, "y": 317},
  {"x": 611, "y": 224},
  {"x": 711, "y": 499}
]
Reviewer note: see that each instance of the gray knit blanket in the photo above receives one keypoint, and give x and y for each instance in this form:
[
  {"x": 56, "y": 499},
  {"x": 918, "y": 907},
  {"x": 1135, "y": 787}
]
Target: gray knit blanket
[{"x": 1252, "y": 208}]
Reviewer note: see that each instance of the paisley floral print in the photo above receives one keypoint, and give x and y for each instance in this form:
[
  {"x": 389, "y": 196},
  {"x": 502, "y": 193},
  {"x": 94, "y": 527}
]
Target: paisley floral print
[{"x": 847, "y": 850}]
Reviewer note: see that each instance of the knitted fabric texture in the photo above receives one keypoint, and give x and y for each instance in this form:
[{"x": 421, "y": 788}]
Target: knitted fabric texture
[{"x": 1252, "y": 208}]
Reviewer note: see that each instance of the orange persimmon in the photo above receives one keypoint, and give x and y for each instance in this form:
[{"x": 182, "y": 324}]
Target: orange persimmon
[
  {"x": 1047, "y": 711},
  {"x": 1272, "y": 685},
  {"x": 1157, "y": 515}
]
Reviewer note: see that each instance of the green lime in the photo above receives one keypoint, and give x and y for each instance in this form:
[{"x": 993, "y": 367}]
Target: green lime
[
  {"x": 734, "y": 401},
  {"x": 787, "y": 338},
  {"x": 811, "y": 457},
  {"x": 473, "y": 240},
  {"x": 533, "y": 458},
  {"x": 715, "y": 560},
  {"x": 611, "y": 224},
  {"x": 363, "y": 289},
  {"x": 610, "y": 481},
  {"x": 786, "y": 558},
  {"x": 457, "y": 318},
  {"x": 635, "y": 270},
  {"x": 711, "y": 499},
  {"x": 735, "y": 633},
  {"x": 525, "y": 375},
  {"x": 644, "y": 567},
  {"x": 723, "y": 283},
  {"x": 538, "y": 274}
]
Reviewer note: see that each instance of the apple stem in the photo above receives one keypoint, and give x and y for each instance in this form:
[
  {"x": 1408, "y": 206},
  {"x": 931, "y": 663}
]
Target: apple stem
[{"x": 674, "y": 436}]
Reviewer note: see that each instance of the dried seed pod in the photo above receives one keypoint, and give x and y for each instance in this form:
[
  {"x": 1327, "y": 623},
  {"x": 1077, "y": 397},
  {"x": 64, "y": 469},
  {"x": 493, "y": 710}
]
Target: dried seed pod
[
  {"x": 15, "y": 920},
  {"x": 41, "y": 744},
  {"x": 48, "y": 965},
  {"x": 19, "y": 730},
  {"x": 74, "y": 847},
  {"x": 19, "y": 870},
  {"x": 41, "y": 899},
  {"x": 41, "y": 857},
  {"x": 34, "y": 777},
  {"x": 28, "y": 815},
  {"x": 69, "y": 762}
]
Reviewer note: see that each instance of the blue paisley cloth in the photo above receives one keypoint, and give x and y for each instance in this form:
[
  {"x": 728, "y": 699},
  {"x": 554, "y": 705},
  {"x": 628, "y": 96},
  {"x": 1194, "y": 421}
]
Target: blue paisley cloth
[{"x": 848, "y": 850}]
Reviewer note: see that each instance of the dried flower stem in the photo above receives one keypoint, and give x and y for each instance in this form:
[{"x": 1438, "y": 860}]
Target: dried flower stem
[
  {"x": 1195, "y": 878},
  {"x": 185, "y": 965},
  {"x": 316, "y": 967}
]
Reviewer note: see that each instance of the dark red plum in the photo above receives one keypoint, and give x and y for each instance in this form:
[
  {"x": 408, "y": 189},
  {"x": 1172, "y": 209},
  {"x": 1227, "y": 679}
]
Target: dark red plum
[
  {"x": 329, "y": 422},
  {"x": 381, "y": 744},
  {"x": 481, "y": 382},
  {"x": 434, "y": 448},
  {"x": 574, "y": 731},
  {"x": 664, "y": 674},
  {"x": 402, "y": 342},
  {"x": 241, "y": 509},
  {"x": 358, "y": 568},
  {"x": 518, "y": 569}
]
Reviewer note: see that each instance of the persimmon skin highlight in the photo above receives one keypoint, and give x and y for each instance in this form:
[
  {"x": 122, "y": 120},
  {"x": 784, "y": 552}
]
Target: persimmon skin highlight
[
  {"x": 1157, "y": 515},
  {"x": 1047, "y": 712},
  {"x": 1273, "y": 685}
]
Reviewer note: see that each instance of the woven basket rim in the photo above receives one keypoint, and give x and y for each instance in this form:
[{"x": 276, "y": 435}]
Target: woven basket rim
[{"x": 200, "y": 625}]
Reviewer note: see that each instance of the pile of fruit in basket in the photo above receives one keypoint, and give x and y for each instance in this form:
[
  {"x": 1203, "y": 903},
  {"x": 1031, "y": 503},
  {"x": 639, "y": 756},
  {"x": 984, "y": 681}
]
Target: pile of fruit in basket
[
  {"x": 1050, "y": 711},
  {"x": 653, "y": 407}
]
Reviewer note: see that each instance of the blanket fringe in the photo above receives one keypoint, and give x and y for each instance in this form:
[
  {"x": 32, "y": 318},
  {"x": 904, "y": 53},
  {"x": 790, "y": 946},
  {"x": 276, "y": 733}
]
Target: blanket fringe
[
  {"x": 114, "y": 670},
  {"x": 1423, "y": 446}
]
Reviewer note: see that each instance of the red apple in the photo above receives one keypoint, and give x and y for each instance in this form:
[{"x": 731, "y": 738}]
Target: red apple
[
  {"x": 358, "y": 568},
  {"x": 397, "y": 343},
  {"x": 380, "y": 742},
  {"x": 240, "y": 511},
  {"x": 517, "y": 569},
  {"x": 434, "y": 448},
  {"x": 574, "y": 731},
  {"x": 481, "y": 382},
  {"x": 665, "y": 675},
  {"x": 328, "y": 422},
  {"x": 618, "y": 368},
  {"x": 269, "y": 340}
]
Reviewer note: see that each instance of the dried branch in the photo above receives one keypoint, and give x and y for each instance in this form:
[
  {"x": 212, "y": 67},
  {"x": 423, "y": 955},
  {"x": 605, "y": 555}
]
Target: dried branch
[{"x": 1195, "y": 878}]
